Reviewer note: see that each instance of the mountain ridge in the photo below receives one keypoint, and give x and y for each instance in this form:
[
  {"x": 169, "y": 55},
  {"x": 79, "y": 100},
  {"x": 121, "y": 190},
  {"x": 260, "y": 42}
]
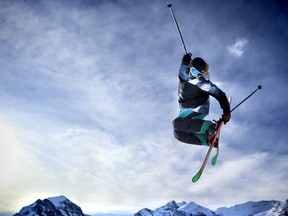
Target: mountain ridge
[
  {"x": 53, "y": 206},
  {"x": 61, "y": 206},
  {"x": 251, "y": 208}
]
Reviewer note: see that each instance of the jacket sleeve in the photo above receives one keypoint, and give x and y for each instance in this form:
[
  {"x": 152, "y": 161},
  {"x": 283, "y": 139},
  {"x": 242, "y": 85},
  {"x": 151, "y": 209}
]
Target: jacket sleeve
[
  {"x": 224, "y": 103},
  {"x": 217, "y": 93},
  {"x": 183, "y": 74}
]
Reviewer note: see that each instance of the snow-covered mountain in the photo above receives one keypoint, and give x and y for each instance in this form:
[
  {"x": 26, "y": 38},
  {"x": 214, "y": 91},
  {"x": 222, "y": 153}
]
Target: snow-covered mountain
[
  {"x": 262, "y": 208},
  {"x": 54, "y": 206},
  {"x": 177, "y": 209},
  {"x": 61, "y": 206}
]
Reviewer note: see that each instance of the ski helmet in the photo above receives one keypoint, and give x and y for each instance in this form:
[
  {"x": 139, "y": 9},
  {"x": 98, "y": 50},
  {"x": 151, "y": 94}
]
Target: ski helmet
[{"x": 200, "y": 65}]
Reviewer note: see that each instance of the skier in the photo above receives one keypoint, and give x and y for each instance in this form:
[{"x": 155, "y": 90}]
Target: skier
[{"x": 194, "y": 89}]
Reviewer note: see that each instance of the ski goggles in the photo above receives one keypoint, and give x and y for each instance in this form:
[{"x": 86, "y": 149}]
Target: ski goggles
[{"x": 194, "y": 72}]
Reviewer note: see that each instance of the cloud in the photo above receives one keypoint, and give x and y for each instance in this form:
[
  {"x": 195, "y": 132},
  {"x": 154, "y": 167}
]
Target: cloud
[
  {"x": 16, "y": 162},
  {"x": 9, "y": 145},
  {"x": 238, "y": 48},
  {"x": 92, "y": 88}
]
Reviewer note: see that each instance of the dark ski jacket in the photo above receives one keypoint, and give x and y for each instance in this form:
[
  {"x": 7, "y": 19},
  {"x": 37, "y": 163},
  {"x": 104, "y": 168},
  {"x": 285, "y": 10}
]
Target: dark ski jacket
[{"x": 194, "y": 92}]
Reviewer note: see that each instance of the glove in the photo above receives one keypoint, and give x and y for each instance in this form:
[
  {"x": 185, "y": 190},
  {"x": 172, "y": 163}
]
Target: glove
[
  {"x": 226, "y": 117},
  {"x": 187, "y": 59}
]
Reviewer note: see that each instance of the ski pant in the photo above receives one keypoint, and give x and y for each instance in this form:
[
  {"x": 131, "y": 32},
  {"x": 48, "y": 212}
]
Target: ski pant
[{"x": 190, "y": 127}]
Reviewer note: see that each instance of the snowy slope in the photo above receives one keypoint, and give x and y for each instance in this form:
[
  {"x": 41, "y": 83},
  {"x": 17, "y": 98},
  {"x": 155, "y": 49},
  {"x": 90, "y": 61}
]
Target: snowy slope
[
  {"x": 262, "y": 208},
  {"x": 167, "y": 209},
  {"x": 195, "y": 209},
  {"x": 58, "y": 201},
  {"x": 65, "y": 206}
]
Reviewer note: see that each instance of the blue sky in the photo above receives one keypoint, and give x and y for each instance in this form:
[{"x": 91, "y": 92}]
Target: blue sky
[{"x": 89, "y": 90}]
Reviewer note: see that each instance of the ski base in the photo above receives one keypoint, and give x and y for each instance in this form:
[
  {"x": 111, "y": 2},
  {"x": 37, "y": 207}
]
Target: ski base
[
  {"x": 214, "y": 159},
  {"x": 199, "y": 173}
]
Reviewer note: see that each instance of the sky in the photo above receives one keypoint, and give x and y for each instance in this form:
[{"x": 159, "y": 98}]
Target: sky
[{"x": 88, "y": 93}]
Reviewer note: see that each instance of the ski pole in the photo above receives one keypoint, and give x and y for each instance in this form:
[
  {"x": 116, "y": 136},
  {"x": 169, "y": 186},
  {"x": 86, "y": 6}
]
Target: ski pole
[
  {"x": 259, "y": 87},
  {"x": 169, "y": 5}
]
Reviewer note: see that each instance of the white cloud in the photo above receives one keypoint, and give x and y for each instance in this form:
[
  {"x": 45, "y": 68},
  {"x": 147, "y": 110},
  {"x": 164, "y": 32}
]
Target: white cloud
[
  {"x": 93, "y": 91},
  {"x": 238, "y": 48},
  {"x": 9, "y": 153}
]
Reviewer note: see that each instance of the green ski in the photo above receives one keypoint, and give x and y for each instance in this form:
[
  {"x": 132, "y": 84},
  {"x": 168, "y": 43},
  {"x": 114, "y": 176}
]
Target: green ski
[
  {"x": 214, "y": 141},
  {"x": 199, "y": 173}
]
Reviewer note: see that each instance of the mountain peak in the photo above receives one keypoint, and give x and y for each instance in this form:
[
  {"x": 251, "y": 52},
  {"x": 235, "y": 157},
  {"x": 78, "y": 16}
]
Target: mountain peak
[
  {"x": 192, "y": 208},
  {"x": 263, "y": 208},
  {"x": 177, "y": 209},
  {"x": 58, "y": 201},
  {"x": 57, "y": 206},
  {"x": 61, "y": 206}
]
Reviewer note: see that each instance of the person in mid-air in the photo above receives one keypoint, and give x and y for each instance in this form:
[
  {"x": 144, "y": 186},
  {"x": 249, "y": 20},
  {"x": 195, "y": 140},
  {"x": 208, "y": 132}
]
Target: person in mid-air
[{"x": 194, "y": 90}]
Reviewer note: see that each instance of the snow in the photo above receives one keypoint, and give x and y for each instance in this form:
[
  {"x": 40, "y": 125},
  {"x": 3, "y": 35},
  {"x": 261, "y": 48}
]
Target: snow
[
  {"x": 180, "y": 204},
  {"x": 58, "y": 201},
  {"x": 52, "y": 206},
  {"x": 262, "y": 208},
  {"x": 193, "y": 208}
]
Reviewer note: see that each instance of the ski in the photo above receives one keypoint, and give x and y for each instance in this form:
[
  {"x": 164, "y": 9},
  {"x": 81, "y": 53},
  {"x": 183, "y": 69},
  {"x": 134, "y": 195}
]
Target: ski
[
  {"x": 214, "y": 159},
  {"x": 199, "y": 173},
  {"x": 214, "y": 140}
]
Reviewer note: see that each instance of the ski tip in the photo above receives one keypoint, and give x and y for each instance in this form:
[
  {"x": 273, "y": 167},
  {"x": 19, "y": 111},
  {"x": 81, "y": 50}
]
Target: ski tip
[
  {"x": 196, "y": 177},
  {"x": 214, "y": 160}
]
